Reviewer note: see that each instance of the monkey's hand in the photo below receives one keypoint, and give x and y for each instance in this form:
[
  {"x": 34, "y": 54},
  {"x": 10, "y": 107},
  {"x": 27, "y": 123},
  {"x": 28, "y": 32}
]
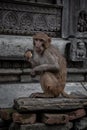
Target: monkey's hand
[
  {"x": 28, "y": 55},
  {"x": 33, "y": 73}
]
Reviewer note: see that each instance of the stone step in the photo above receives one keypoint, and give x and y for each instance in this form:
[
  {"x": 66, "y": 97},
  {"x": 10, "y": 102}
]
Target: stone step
[
  {"x": 27, "y": 71},
  {"x": 23, "y": 75}
]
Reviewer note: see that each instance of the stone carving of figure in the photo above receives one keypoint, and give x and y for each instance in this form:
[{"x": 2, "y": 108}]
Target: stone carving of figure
[
  {"x": 82, "y": 22},
  {"x": 81, "y": 50}
]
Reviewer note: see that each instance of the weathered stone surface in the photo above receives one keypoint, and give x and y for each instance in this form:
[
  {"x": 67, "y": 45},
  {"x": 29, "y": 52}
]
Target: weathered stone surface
[
  {"x": 10, "y": 71},
  {"x": 41, "y": 126},
  {"x": 9, "y": 78},
  {"x": 81, "y": 124},
  {"x": 63, "y": 118},
  {"x": 55, "y": 118},
  {"x": 27, "y": 104},
  {"x": 76, "y": 88},
  {"x": 76, "y": 114},
  {"x": 75, "y": 77},
  {"x": 6, "y": 114},
  {"x": 24, "y": 118},
  {"x": 15, "y": 46},
  {"x": 8, "y": 92}
]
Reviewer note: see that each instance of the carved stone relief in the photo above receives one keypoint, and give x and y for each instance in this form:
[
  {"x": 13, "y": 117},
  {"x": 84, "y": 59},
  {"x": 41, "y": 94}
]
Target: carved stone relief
[
  {"x": 28, "y": 19},
  {"x": 78, "y": 51},
  {"x": 82, "y": 21}
]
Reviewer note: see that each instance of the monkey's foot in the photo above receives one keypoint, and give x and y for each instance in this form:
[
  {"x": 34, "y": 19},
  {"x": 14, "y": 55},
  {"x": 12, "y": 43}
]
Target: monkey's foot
[
  {"x": 40, "y": 95},
  {"x": 34, "y": 95}
]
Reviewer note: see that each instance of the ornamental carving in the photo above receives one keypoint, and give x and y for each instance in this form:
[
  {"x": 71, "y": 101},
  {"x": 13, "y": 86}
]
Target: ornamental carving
[
  {"x": 78, "y": 51},
  {"x": 40, "y": 22},
  {"x": 82, "y": 22},
  {"x": 10, "y": 20},
  {"x": 26, "y": 21},
  {"x": 52, "y": 23},
  {"x": 28, "y": 18}
]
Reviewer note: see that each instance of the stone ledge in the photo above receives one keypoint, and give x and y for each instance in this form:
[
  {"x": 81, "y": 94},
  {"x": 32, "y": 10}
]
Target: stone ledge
[
  {"x": 23, "y": 75},
  {"x": 15, "y": 46},
  {"x": 76, "y": 70},
  {"x": 10, "y": 71},
  {"x": 27, "y": 71}
]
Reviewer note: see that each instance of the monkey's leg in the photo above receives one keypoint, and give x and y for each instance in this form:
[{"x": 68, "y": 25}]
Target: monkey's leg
[{"x": 49, "y": 84}]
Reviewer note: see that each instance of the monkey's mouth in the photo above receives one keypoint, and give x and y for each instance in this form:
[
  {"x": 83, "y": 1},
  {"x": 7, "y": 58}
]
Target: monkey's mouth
[{"x": 38, "y": 50}]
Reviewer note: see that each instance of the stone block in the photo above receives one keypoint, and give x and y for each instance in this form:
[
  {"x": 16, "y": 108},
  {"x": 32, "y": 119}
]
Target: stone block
[
  {"x": 41, "y": 126},
  {"x": 24, "y": 118},
  {"x": 77, "y": 114},
  {"x": 55, "y": 118}
]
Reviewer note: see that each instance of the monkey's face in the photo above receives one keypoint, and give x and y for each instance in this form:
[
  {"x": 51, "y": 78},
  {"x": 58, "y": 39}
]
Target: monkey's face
[{"x": 39, "y": 45}]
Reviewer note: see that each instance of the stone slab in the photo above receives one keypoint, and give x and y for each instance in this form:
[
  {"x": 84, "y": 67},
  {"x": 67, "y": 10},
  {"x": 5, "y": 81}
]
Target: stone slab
[
  {"x": 76, "y": 114},
  {"x": 52, "y": 119},
  {"x": 10, "y": 91},
  {"x": 15, "y": 46}
]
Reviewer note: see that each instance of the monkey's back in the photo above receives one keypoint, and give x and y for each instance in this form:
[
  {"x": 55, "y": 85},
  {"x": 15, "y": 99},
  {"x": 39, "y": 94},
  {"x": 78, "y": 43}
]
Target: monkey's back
[{"x": 59, "y": 58}]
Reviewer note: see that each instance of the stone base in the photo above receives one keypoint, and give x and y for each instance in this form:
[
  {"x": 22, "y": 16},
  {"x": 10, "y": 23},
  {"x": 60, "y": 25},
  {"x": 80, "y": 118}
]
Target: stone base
[{"x": 40, "y": 126}]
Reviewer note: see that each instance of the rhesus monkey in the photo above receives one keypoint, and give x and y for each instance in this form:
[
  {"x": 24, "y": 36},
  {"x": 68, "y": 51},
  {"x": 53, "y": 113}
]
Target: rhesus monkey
[{"x": 50, "y": 64}]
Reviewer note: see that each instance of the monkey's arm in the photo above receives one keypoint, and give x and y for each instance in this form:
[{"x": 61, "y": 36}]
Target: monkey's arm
[{"x": 47, "y": 67}]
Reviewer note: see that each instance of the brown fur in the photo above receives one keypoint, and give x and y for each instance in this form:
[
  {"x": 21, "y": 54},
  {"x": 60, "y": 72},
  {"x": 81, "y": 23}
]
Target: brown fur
[{"x": 51, "y": 66}]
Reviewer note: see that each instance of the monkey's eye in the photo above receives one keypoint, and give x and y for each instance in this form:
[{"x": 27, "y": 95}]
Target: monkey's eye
[{"x": 41, "y": 40}]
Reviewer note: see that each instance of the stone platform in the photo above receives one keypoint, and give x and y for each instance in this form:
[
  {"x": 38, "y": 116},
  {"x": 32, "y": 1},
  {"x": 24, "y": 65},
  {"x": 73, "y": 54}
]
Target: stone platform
[
  {"x": 44, "y": 114},
  {"x": 8, "y": 92}
]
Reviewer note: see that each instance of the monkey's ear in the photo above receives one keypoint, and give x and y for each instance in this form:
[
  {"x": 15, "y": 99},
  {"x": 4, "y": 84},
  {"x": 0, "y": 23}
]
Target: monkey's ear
[{"x": 48, "y": 42}]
